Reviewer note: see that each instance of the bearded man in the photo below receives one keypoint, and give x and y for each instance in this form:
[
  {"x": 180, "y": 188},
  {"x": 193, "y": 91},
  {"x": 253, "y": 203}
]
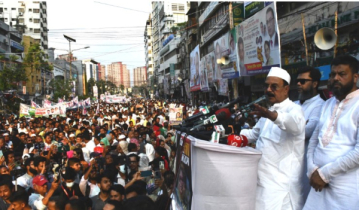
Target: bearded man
[
  {"x": 308, "y": 82},
  {"x": 333, "y": 151}
]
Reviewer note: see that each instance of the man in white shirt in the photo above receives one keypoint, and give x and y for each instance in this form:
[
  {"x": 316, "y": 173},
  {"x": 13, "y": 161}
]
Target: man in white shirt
[
  {"x": 88, "y": 184},
  {"x": 333, "y": 151},
  {"x": 25, "y": 180},
  {"x": 308, "y": 82},
  {"x": 280, "y": 138},
  {"x": 39, "y": 199}
]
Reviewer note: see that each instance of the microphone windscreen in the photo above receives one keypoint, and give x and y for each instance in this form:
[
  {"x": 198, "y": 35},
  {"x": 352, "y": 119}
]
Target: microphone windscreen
[{"x": 223, "y": 114}]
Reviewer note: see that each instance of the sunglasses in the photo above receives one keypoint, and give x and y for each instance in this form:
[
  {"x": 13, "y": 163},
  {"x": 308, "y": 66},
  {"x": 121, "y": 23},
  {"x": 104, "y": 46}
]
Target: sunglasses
[{"x": 303, "y": 81}]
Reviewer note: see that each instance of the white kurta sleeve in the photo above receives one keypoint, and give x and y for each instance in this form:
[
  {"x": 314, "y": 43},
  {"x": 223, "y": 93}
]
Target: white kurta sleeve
[
  {"x": 292, "y": 122},
  {"x": 82, "y": 185},
  {"x": 312, "y": 121},
  {"x": 342, "y": 164},
  {"x": 253, "y": 134},
  {"x": 313, "y": 143}
]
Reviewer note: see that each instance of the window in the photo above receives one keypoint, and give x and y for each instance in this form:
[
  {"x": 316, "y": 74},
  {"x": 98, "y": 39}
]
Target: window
[
  {"x": 36, "y": 20},
  {"x": 36, "y": 30},
  {"x": 21, "y": 20},
  {"x": 13, "y": 19},
  {"x": 5, "y": 19},
  {"x": 1, "y": 9},
  {"x": 30, "y": 10},
  {"x": 5, "y": 9},
  {"x": 13, "y": 8},
  {"x": 36, "y": 10},
  {"x": 30, "y": 29},
  {"x": 30, "y": 19},
  {"x": 21, "y": 10}
]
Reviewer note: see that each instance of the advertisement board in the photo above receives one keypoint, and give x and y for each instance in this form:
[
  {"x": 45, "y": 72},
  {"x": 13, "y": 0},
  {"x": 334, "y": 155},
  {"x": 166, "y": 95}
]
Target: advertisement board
[
  {"x": 258, "y": 44},
  {"x": 195, "y": 66}
]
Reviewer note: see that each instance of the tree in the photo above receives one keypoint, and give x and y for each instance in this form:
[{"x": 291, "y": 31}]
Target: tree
[
  {"x": 122, "y": 87},
  {"x": 61, "y": 88},
  {"x": 35, "y": 59},
  {"x": 12, "y": 73},
  {"x": 90, "y": 85}
]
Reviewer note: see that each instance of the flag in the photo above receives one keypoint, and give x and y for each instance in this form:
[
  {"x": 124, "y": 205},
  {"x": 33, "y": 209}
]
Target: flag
[
  {"x": 84, "y": 110},
  {"x": 34, "y": 105},
  {"x": 46, "y": 103},
  {"x": 98, "y": 108}
]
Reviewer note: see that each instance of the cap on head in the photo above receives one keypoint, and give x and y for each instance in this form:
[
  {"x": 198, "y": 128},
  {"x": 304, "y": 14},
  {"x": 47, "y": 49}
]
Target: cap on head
[
  {"x": 278, "y": 72},
  {"x": 39, "y": 180}
]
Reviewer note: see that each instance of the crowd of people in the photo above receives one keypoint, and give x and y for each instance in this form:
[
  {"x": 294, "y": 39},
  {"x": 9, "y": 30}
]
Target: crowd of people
[{"x": 123, "y": 156}]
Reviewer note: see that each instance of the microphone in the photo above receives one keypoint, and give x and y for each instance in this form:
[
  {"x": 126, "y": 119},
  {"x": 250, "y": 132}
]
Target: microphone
[
  {"x": 190, "y": 120},
  {"x": 247, "y": 108},
  {"x": 220, "y": 115},
  {"x": 232, "y": 103}
]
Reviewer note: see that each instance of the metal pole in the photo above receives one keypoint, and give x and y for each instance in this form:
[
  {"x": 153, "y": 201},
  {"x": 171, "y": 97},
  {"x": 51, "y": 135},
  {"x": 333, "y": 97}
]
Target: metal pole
[
  {"x": 70, "y": 53},
  {"x": 336, "y": 34},
  {"x": 305, "y": 40}
]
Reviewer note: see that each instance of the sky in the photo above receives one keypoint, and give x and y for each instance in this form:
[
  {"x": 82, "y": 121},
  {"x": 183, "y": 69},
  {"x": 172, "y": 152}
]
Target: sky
[{"x": 113, "y": 29}]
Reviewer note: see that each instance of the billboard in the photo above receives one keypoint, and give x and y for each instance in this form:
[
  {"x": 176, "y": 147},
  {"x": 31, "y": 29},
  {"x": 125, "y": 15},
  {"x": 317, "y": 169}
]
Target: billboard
[
  {"x": 224, "y": 47},
  {"x": 258, "y": 44},
  {"x": 195, "y": 63},
  {"x": 203, "y": 75}
]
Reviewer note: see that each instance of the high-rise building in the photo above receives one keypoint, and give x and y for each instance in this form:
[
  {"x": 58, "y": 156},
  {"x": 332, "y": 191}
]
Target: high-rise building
[
  {"x": 148, "y": 49},
  {"x": 103, "y": 73},
  {"x": 118, "y": 74},
  {"x": 139, "y": 76},
  {"x": 30, "y": 17}
]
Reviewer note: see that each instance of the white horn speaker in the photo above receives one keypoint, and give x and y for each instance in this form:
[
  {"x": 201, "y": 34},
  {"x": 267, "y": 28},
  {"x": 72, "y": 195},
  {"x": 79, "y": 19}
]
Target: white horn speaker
[{"x": 325, "y": 38}]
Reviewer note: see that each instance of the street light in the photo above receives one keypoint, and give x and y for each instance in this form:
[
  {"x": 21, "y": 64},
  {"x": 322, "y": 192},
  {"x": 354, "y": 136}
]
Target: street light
[{"x": 70, "y": 52}]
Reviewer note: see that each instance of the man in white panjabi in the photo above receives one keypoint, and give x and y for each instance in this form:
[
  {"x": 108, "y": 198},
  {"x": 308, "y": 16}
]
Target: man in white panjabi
[
  {"x": 333, "y": 151},
  {"x": 280, "y": 137},
  {"x": 308, "y": 82}
]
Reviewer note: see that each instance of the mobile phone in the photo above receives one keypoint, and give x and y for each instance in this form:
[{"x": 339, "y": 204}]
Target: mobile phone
[
  {"x": 146, "y": 173},
  {"x": 162, "y": 165},
  {"x": 1, "y": 154},
  {"x": 157, "y": 174}
]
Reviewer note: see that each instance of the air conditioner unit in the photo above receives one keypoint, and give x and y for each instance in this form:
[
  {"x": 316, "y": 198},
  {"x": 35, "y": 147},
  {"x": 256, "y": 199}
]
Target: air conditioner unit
[
  {"x": 6, "y": 42},
  {"x": 21, "y": 13}
]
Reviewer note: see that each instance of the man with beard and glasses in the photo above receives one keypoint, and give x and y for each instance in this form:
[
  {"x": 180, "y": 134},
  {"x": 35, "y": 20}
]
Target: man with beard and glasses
[
  {"x": 25, "y": 180},
  {"x": 333, "y": 151},
  {"x": 280, "y": 137},
  {"x": 308, "y": 82}
]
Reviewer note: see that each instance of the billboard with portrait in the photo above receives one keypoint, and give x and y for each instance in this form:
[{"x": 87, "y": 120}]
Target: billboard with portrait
[
  {"x": 195, "y": 67},
  {"x": 258, "y": 44},
  {"x": 203, "y": 75},
  {"x": 210, "y": 65},
  {"x": 224, "y": 48}
]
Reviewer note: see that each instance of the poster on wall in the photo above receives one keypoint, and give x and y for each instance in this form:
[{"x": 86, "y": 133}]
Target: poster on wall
[
  {"x": 225, "y": 52},
  {"x": 223, "y": 87},
  {"x": 203, "y": 75},
  {"x": 258, "y": 43},
  {"x": 195, "y": 63},
  {"x": 175, "y": 115},
  {"x": 210, "y": 65},
  {"x": 183, "y": 185}
]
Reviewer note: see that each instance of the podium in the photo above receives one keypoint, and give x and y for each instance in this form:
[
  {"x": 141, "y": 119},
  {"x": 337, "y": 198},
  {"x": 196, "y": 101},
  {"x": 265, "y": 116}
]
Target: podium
[{"x": 214, "y": 176}]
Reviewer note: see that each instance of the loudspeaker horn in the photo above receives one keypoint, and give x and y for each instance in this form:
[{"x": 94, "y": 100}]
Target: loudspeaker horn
[{"x": 325, "y": 38}]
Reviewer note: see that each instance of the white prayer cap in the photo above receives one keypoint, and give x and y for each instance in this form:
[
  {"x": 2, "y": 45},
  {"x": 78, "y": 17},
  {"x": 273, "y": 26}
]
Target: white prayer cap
[
  {"x": 33, "y": 135},
  {"x": 121, "y": 137},
  {"x": 278, "y": 72},
  {"x": 5, "y": 134},
  {"x": 72, "y": 135}
]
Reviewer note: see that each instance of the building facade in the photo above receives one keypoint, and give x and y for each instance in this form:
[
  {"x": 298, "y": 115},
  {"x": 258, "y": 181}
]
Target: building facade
[
  {"x": 30, "y": 17},
  {"x": 148, "y": 49},
  {"x": 139, "y": 76}
]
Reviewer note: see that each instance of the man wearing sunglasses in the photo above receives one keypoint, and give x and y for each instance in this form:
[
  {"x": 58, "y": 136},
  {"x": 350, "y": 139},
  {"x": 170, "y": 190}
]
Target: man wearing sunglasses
[
  {"x": 333, "y": 154},
  {"x": 280, "y": 137},
  {"x": 308, "y": 82}
]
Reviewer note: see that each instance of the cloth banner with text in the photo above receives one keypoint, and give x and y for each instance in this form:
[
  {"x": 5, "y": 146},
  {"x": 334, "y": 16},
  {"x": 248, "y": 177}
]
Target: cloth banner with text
[{"x": 195, "y": 66}]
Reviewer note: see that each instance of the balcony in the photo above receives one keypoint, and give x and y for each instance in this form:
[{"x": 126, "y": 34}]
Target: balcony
[
  {"x": 166, "y": 30},
  {"x": 168, "y": 18}
]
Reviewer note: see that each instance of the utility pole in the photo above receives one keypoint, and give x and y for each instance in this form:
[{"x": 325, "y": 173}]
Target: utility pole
[{"x": 70, "y": 53}]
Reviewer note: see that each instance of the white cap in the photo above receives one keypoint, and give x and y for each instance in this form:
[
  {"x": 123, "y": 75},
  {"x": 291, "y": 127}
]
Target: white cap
[
  {"x": 33, "y": 135},
  {"x": 278, "y": 72},
  {"x": 5, "y": 134},
  {"x": 72, "y": 135},
  {"x": 122, "y": 136},
  {"x": 117, "y": 126}
]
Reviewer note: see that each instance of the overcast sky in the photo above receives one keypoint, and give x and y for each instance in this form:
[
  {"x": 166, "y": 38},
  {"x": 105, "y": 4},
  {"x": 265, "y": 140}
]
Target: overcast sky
[{"x": 112, "y": 33}]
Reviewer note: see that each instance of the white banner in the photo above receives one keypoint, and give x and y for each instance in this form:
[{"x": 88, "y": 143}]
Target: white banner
[
  {"x": 115, "y": 99},
  {"x": 95, "y": 91}
]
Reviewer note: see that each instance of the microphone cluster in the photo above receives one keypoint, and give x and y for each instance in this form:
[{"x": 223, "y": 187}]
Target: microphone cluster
[{"x": 208, "y": 124}]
